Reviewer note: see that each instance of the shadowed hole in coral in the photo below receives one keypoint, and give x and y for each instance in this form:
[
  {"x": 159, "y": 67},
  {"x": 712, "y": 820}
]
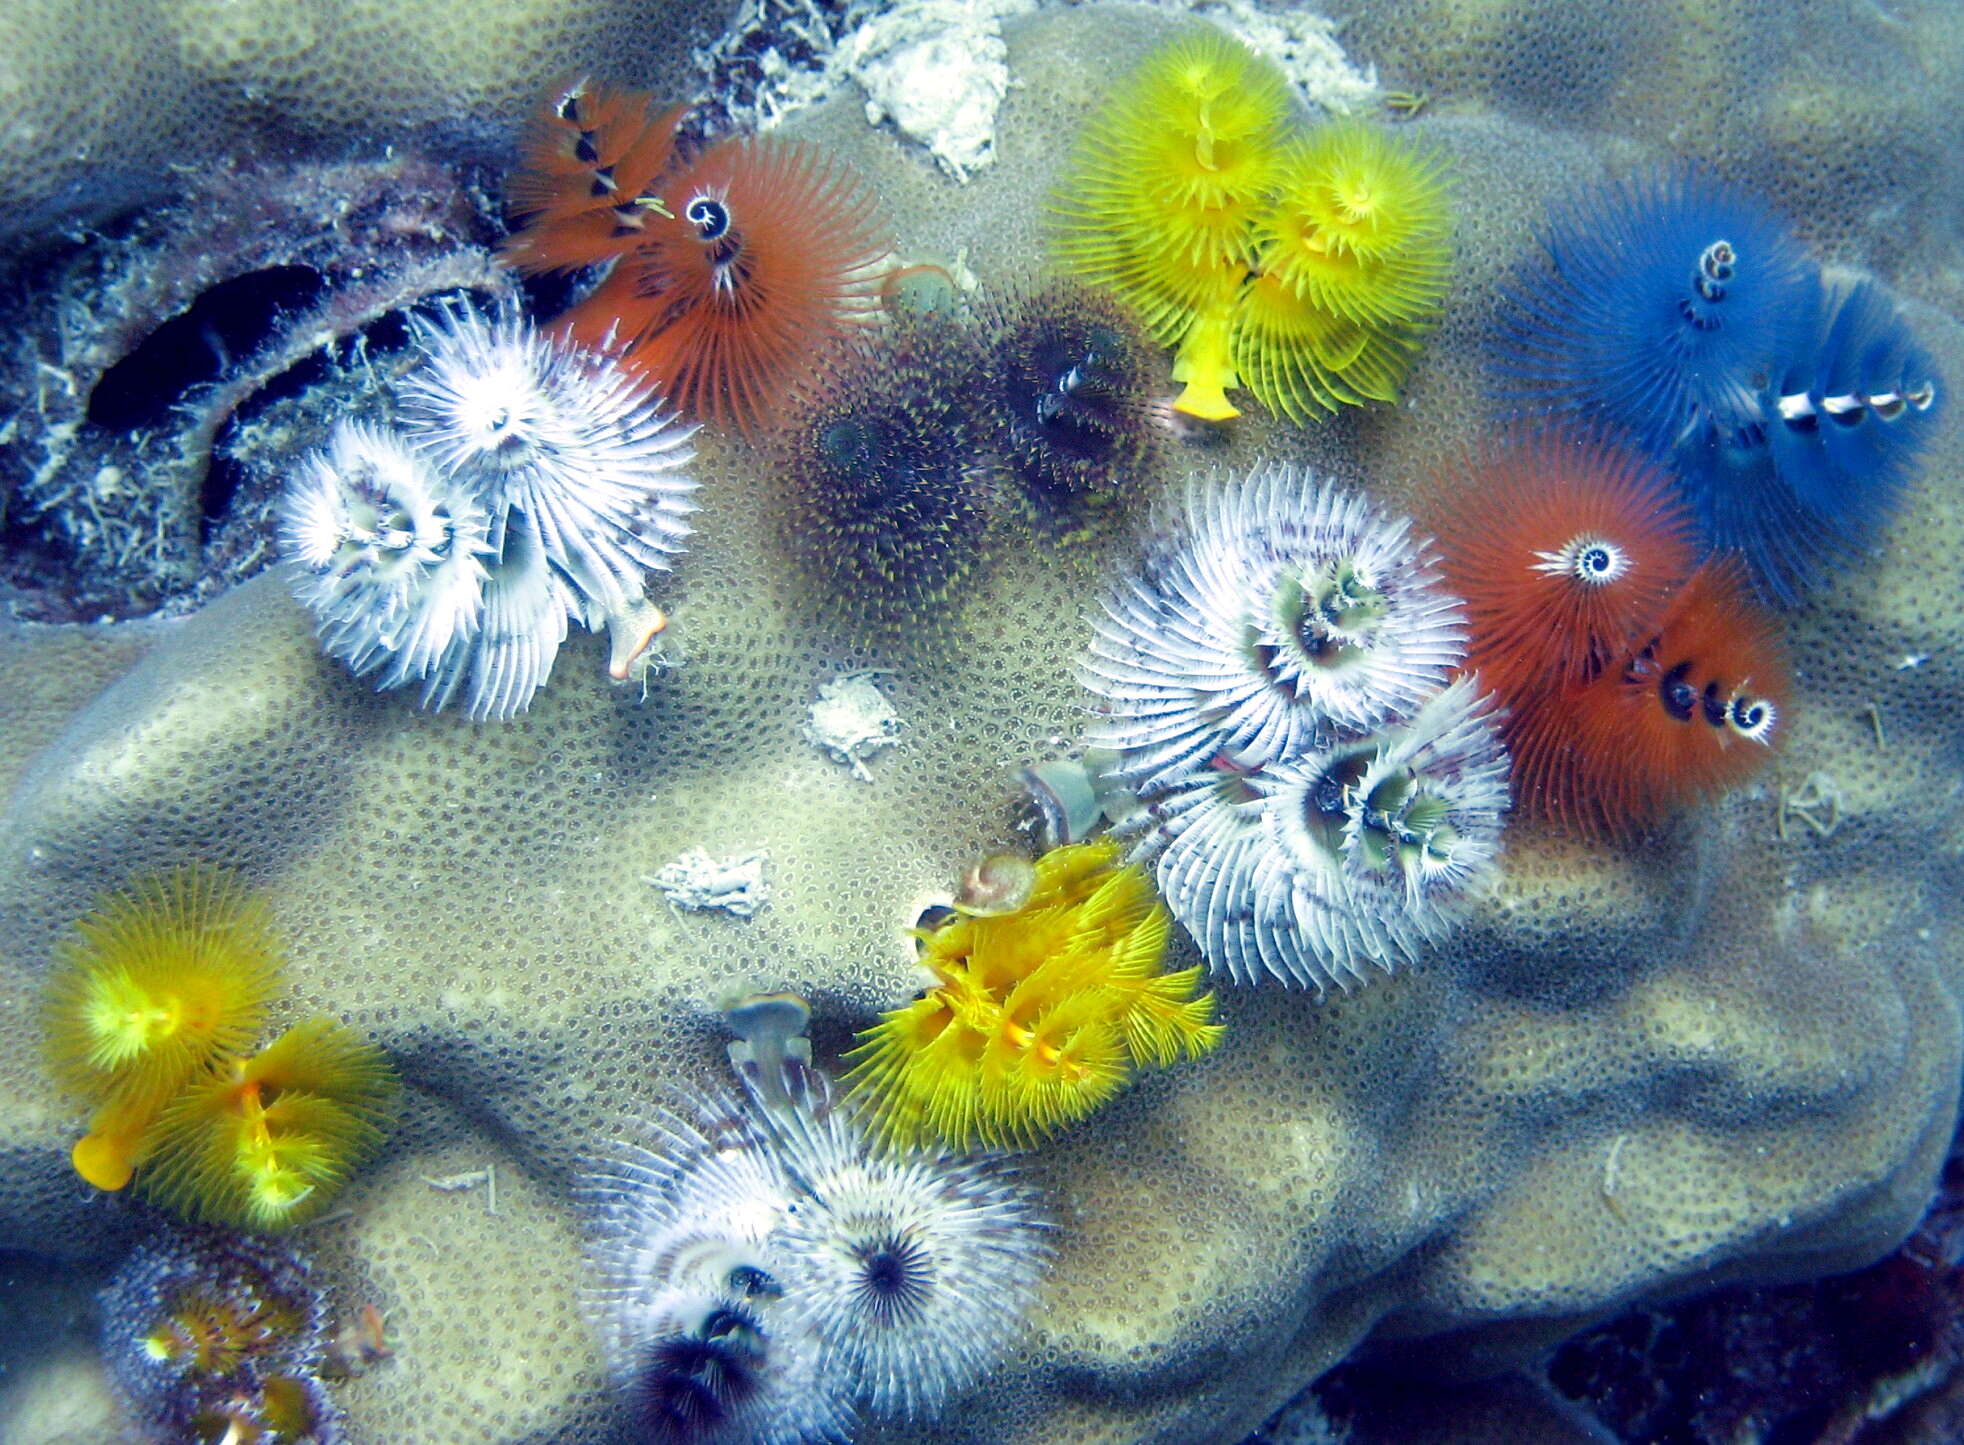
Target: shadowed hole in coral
[
  {"x": 226, "y": 324},
  {"x": 381, "y": 337}
]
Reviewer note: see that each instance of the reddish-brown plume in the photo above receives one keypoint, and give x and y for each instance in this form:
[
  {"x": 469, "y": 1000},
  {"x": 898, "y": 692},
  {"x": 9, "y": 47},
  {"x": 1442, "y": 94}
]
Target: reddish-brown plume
[
  {"x": 766, "y": 261},
  {"x": 1693, "y": 713},
  {"x": 1566, "y": 549},
  {"x": 585, "y": 192}
]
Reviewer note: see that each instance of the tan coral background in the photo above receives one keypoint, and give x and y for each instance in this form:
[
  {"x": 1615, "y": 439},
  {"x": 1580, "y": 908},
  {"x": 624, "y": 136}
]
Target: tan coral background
[{"x": 1733, "y": 1053}]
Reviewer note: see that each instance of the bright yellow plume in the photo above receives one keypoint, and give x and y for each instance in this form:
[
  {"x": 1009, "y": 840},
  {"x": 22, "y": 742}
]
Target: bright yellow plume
[
  {"x": 1037, "y": 1016},
  {"x": 1303, "y": 265}
]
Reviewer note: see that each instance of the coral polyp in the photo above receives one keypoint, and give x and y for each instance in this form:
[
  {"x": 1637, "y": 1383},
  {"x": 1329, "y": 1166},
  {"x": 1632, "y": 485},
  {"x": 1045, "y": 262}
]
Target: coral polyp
[
  {"x": 1270, "y": 613},
  {"x": 206, "y": 1333},
  {"x": 264, "y": 1142},
  {"x": 1037, "y": 1015},
  {"x": 158, "y": 982}
]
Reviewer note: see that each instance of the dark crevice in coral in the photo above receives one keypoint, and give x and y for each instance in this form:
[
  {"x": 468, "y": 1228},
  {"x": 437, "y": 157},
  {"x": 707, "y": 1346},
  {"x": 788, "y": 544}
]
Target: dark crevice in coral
[
  {"x": 236, "y": 464},
  {"x": 167, "y": 373},
  {"x": 199, "y": 345}
]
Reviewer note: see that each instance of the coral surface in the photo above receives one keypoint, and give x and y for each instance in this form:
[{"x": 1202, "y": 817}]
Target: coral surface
[{"x": 1727, "y": 1052}]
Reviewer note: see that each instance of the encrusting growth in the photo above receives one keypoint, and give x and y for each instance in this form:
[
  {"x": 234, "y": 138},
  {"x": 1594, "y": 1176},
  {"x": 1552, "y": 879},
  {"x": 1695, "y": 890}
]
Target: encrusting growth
[{"x": 1039, "y": 1013}]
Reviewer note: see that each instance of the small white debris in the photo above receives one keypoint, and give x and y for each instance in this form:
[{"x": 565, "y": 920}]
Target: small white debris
[
  {"x": 937, "y": 69},
  {"x": 470, "y": 1179},
  {"x": 1303, "y": 43},
  {"x": 1911, "y": 660},
  {"x": 851, "y": 720},
  {"x": 696, "y": 880},
  {"x": 452, "y": 1183}
]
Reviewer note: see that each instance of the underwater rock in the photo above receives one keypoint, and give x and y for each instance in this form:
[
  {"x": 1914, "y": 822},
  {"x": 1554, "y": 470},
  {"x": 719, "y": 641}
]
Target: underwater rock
[
  {"x": 101, "y": 101},
  {"x": 1731, "y": 1052},
  {"x": 165, "y": 370}
]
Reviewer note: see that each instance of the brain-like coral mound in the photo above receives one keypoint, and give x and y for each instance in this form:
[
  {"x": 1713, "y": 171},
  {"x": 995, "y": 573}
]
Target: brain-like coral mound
[{"x": 1729, "y": 1050}]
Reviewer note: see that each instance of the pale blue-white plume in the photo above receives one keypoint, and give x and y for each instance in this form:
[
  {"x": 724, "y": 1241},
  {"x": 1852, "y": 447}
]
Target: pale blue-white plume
[{"x": 1271, "y": 614}]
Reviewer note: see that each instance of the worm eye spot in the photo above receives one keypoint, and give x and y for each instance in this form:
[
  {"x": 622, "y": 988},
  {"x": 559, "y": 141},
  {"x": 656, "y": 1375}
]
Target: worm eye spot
[{"x": 709, "y": 216}]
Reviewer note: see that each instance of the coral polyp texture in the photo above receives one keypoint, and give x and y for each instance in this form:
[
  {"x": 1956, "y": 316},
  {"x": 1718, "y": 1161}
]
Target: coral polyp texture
[
  {"x": 264, "y": 1142},
  {"x": 1728, "y": 1049},
  {"x": 1693, "y": 712},
  {"x": 1566, "y": 549},
  {"x": 1039, "y": 1012},
  {"x": 164, "y": 978},
  {"x": 885, "y": 507},
  {"x": 731, "y": 272},
  {"x": 213, "y": 1336},
  {"x": 1271, "y": 612},
  {"x": 1303, "y": 267},
  {"x": 1066, "y": 388},
  {"x": 1319, "y": 865},
  {"x": 1682, "y": 313},
  {"x": 759, "y": 1271},
  {"x": 532, "y": 482}
]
